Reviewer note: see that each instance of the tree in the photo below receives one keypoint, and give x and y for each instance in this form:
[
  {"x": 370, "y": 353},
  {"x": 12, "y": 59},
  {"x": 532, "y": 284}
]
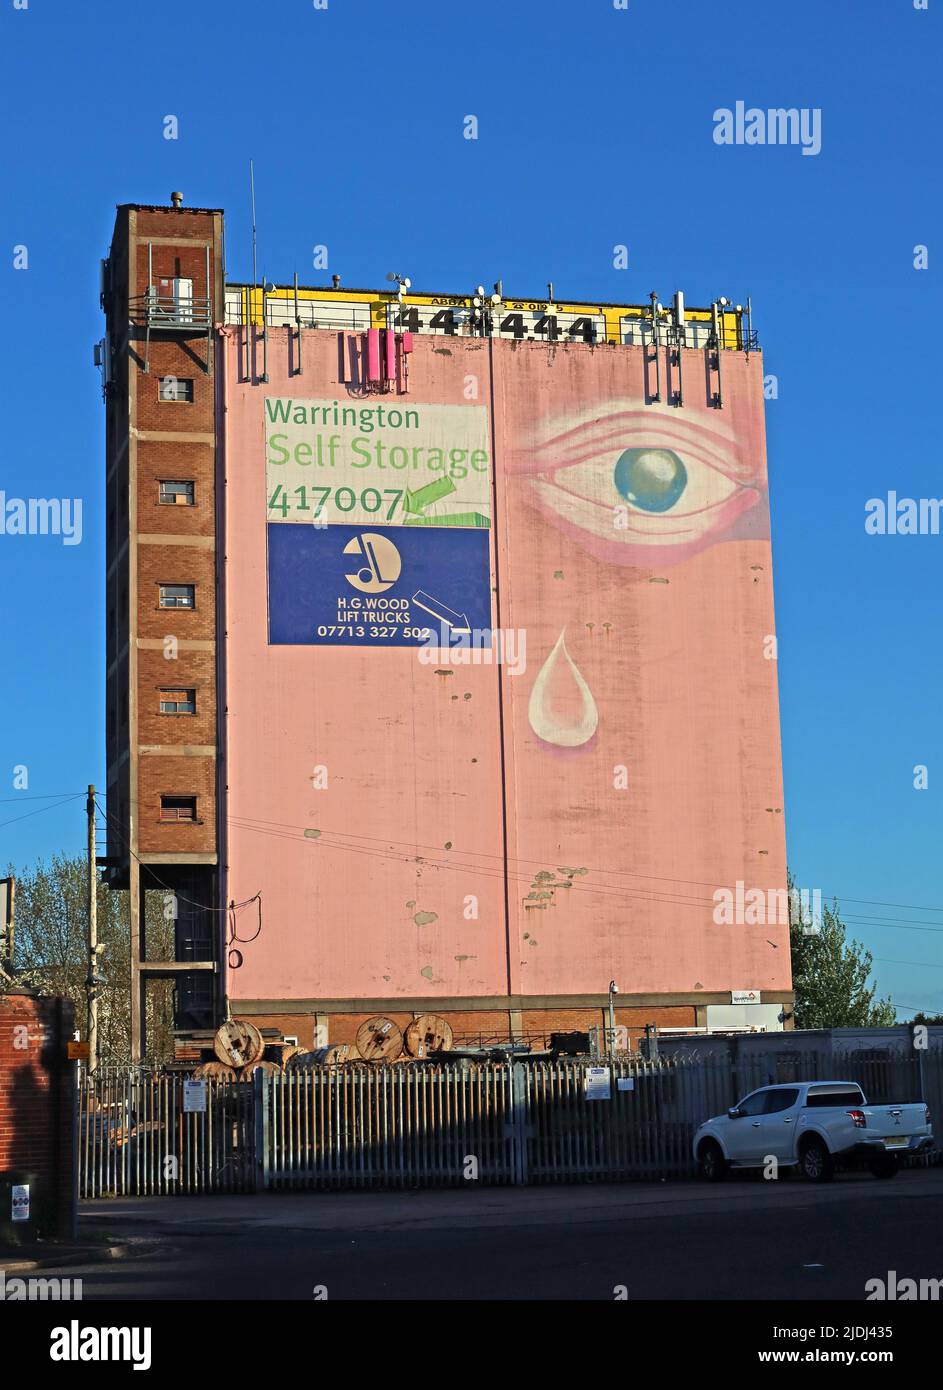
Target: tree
[
  {"x": 51, "y": 953},
  {"x": 831, "y": 976}
]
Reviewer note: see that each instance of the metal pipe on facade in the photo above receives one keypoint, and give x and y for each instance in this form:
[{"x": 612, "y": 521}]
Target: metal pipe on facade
[
  {"x": 654, "y": 298},
  {"x": 264, "y": 331},
  {"x": 715, "y": 316},
  {"x": 298, "y": 324}
]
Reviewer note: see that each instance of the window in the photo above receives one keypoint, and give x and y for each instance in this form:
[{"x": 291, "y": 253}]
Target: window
[
  {"x": 177, "y": 596},
  {"x": 754, "y": 1104},
  {"x": 176, "y": 388},
  {"x": 780, "y": 1100},
  {"x": 176, "y": 494},
  {"x": 178, "y": 701},
  {"x": 178, "y": 808},
  {"x": 837, "y": 1097}
]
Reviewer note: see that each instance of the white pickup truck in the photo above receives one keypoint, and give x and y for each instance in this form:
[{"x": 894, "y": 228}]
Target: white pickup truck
[{"x": 809, "y": 1125}]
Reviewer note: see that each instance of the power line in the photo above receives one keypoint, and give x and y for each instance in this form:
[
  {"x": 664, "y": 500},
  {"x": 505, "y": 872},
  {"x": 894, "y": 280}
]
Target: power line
[
  {"x": 205, "y": 907},
  {"x": 40, "y": 809},
  {"x": 631, "y": 873},
  {"x": 46, "y": 796},
  {"x": 632, "y": 893}
]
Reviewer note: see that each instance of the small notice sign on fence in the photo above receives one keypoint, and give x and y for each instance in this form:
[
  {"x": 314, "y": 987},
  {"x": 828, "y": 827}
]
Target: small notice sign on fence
[
  {"x": 598, "y": 1086},
  {"x": 194, "y": 1097},
  {"x": 20, "y": 1202}
]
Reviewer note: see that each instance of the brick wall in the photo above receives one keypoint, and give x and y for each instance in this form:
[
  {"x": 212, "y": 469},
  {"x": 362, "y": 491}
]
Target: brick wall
[
  {"x": 159, "y": 775},
  {"x": 190, "y": 670},
  {"x": 181, "y": 462},
  {"x": 37, "y": 1096},
  {"x": 535, "y": 1024},
  {"x": 176, "y": 564}
]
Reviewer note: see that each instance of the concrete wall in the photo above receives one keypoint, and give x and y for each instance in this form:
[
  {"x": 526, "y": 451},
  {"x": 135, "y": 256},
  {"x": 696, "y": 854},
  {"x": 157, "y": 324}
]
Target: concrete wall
[{"x": 447, "y": 785}]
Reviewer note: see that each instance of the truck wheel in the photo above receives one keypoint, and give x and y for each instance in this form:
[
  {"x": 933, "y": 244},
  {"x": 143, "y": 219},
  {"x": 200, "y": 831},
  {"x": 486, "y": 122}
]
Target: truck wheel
[
  {"x": 884, "y": 1166},
  {"x": 815, "y": 1162},
  {"x": 713, "y": 1165}
]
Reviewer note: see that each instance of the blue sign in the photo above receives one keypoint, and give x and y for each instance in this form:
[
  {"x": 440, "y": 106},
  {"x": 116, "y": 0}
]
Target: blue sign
[{"x": 377, "y": 586}]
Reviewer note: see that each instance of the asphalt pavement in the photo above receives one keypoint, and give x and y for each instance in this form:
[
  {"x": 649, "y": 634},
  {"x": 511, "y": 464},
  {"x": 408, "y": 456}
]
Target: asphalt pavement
[{"x": 744, "y": 1239}]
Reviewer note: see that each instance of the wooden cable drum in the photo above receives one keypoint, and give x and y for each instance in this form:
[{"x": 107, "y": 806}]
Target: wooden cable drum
[
  {"x": 379, "y": 1040},
  {"x": 248, "y": 1071},
  {"x": 283, "y": 1052},
  {"x": 428, "y": 1034},
  {"x": 238, "y": 1042},
  {"x": 214, "y": 1071}
]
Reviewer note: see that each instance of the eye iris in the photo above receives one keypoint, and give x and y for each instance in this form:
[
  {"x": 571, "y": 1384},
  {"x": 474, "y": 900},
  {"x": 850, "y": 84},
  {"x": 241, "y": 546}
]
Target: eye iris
[{"x": 652, "y": 479}]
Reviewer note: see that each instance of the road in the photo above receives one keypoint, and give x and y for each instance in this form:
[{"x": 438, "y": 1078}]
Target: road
[{"x": 746, "y": 1239}]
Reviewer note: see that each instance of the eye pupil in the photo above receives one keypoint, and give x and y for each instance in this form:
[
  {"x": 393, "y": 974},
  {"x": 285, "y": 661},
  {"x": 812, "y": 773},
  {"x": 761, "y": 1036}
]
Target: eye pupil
[{"x": 652, "y": 479}]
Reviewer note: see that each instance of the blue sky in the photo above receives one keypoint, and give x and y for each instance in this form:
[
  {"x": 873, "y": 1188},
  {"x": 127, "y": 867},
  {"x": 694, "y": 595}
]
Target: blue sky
[{"x": 595, "y": 128}]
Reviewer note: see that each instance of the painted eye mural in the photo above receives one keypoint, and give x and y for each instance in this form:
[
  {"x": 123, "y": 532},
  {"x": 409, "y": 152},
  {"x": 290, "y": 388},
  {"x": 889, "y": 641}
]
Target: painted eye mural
[
  {"x": 651, "y": 479},
  {"x": 645, "y": 486}
]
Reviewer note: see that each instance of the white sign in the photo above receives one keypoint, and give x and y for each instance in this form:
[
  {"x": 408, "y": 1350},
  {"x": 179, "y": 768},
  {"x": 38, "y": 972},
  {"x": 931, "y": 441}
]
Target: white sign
[
  {"x": 597, "y": 1083},
  {"x": 625, "y": 1083},
  {"x": 745, "y": 996},
  {"x": 194, "y": 1097},
  {"x": 390, "y": 464},
  {"x": 21, "y": 1203}
]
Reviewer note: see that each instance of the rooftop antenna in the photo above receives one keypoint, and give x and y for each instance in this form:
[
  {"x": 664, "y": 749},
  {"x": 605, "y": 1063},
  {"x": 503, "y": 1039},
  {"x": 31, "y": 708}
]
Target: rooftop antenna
[{"x": 252, "y": 196}]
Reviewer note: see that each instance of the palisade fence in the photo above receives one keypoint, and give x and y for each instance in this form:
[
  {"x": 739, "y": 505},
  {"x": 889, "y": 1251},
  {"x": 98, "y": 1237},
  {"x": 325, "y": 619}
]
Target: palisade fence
[{"x": 435, "y": 1124}]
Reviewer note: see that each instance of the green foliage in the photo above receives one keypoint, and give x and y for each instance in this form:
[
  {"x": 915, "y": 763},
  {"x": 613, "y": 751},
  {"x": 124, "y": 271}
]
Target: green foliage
[
  {"x": 51, "y": 953},
  {"x": 830, "y": 976}
]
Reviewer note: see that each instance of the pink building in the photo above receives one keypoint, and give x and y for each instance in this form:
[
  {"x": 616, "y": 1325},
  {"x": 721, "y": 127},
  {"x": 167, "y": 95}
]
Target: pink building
[{"x": 495, "y": 680}]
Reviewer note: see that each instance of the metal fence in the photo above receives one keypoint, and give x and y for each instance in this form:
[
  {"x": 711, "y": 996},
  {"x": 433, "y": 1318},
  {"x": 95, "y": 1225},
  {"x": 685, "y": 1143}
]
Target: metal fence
[
  {"x": 136, "y": 1138},
  {"x": 436, "y": 1124}
]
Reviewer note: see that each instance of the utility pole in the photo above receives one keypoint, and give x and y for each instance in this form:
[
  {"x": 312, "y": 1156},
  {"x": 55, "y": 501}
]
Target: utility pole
[{"x": 91, "y": 984}]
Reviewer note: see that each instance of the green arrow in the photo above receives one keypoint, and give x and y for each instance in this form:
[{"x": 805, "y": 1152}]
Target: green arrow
[
  {"x": 423, "y": 497},
  {"x": 466, "y": 519}
]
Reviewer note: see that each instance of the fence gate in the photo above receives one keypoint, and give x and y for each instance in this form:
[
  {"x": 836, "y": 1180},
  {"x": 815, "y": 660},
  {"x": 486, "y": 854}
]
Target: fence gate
[{"x": 137, "y": 1138}]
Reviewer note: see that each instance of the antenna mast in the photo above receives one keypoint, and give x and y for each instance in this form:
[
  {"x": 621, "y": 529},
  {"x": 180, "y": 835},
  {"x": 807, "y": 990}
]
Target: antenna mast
[{"x": 255, "y": 279}]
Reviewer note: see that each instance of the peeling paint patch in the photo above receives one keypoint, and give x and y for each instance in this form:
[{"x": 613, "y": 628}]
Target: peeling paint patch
[
  {"x": 411, "y": 903},
  {"x": 558, "y": 574},
  {"x": 312, "y": 834},
  {"x": 448, "y": 844},
  {"x": 658, "y": 581},
  {"x": 426, "y": 972},
  {"x": 439, "y": 672},
  {"x": 423, "y": 919},
  {"x": 461, "y": 958},
  {"x": 544, "y": 886}
]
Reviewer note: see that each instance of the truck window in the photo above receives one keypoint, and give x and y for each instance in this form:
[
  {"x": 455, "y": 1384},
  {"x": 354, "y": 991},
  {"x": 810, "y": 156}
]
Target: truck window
[
  {"x": 753, "y": 1104},
  {"x": 841, "y": 1097},
  {"x": 781, "y": 1100}
]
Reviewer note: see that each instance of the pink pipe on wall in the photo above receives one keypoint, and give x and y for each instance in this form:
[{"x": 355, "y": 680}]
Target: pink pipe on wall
[{"x": 373, "y": 354}]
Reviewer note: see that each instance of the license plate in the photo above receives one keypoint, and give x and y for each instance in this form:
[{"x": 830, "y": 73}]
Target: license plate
[{"x": 895, "y": 1143}]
